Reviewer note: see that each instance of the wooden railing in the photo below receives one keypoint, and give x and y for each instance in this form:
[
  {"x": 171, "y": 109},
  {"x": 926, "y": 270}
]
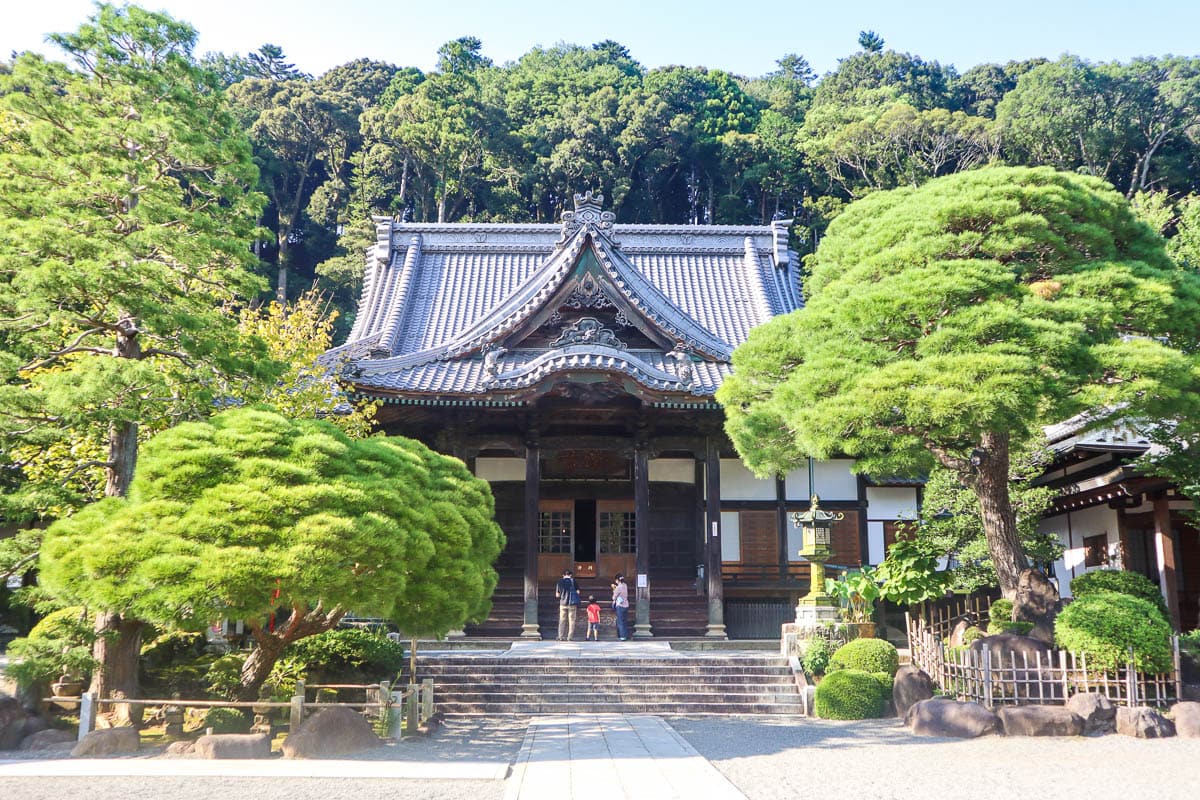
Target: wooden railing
[
  {"x": 399, "y": 713},
  {"x": 1050, "y": 677}
]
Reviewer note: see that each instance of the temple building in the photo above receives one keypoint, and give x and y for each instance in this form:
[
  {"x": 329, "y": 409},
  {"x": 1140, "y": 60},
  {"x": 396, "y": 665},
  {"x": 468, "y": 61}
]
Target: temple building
[{"x": 573, "y": 367}]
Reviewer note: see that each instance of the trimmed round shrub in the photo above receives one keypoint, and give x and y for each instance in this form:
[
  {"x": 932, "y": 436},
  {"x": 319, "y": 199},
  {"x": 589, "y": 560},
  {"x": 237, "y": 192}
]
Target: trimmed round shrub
[
  {"x": 886, "y": 682},
  {"x": 344, "y": 651},
  {"x": 1105, "y": 625},
  {"x": 972, "y": 633},
  {"x": 817, "y": 652},
  {"x": 999, "y": 612},
  {"x": 1019, "y": 627},
  {"x": 868, "y": 655},
  {"x": 60, "y": 643},
  {"x": 849, "y": 694},
  {"x": 1121, "y": 581},
  {"x": 227, "y": 720}
]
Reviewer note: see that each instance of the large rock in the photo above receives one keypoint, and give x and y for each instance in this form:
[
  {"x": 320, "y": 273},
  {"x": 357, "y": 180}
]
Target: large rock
[
  {"x": 107, "y": 742},
  {"x": 50, "y": 739},
  {"x": 1097, "y": 711},
  {"x": 911, "y": 686},
  {"x": 233, "y": 745},
  {"x": 1037, "y": 601},
  {"x": 1187, "y": 719},
  {"x": 1039, "y": 721},
  {"x": 957, "y": 635},
  {"x": 12, "y": 723},
  {"x": 938, "y": 717},
  {"x": 181, "y": 749},
  {"x": 1143, "y": 723},
  {"x": 331, "y": 732}
]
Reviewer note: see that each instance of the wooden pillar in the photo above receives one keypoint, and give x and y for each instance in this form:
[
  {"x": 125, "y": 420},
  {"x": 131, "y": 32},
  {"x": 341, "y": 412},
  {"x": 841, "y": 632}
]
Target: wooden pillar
[
  {"x": 641, "y": 533},
  {"x": 1164, "y": 544},
  {"x": 533, "y": 476},
  {"x": 712, "y": 535},
  {"x": 781, "y": 526}
]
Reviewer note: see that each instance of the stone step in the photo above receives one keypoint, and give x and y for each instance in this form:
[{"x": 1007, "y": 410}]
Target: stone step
[
  {"x": 623, "y": 679},
  {"x": 615, "y": 661}
]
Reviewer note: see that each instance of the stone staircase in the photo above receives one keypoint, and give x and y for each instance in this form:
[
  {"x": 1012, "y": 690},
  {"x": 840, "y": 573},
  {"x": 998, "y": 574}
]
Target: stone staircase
[{"x": 619, "y": 678}]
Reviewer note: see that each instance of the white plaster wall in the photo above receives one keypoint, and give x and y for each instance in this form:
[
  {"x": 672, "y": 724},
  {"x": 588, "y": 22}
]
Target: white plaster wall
[
  {"x": 875, "y": 553},
  {"x": 891, "y": 502},
  {"x": 500, "y": 469},
  {"x": 1071, "y": 529},
  {"x": 739, "y": 483},
  {"x": 834, "y": 481},
  {"x": 731, "y": 539},
  {"x": 672, "y": 470},
  {"x": 795, "y": 539}
]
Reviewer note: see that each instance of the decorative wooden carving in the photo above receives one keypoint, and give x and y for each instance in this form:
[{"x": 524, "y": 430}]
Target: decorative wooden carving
[{"x": 587, "y": 330}]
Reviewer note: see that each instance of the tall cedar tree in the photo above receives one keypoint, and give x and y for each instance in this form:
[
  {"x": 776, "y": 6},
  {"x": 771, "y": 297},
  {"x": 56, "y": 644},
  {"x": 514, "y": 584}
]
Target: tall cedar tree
[
  {"x": 250, "y": 512},
  {"x": 944, "y": 324},
  {"x": 124, "y": 225}
]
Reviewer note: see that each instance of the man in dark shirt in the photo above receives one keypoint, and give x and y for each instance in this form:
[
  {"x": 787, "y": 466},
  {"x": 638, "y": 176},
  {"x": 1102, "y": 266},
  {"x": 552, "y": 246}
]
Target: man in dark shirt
[{"x": 567, "y": 592}]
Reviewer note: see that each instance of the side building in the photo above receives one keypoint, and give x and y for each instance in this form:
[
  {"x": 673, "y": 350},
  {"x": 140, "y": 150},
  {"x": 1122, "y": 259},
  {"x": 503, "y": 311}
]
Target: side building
[
  {"x": 1110, "y": 515},
  {"x": 573, "y": 367}
]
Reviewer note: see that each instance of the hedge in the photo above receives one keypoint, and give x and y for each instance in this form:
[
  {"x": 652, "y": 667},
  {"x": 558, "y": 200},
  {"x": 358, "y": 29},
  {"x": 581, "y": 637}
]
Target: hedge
[
  {"x": 1122, "y": 581},
  {"x": 850, "y": 694},
  {"x": 868, "y": 655},
  {"x": 1105, "y": 625}
]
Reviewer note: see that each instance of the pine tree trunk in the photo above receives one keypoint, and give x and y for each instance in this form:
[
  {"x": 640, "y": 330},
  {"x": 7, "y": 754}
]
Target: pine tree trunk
[
  {"x": 118, "y": 645},
  {"x": 996, "y": 511},
  {"x": 281, "y": 275},
  {"x": 259, "y": 663},
  {"x": 119, "y": 640}
]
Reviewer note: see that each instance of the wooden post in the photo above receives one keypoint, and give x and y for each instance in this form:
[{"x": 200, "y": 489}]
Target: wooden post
[
  {"x": 87, "y": 712},
  {"x": 1164, "y": 545},
  {"x": 986, "y": 654},
  {"x": 385, "y": 701},
  {"x": 426, "y": 698},
  {"x": 296, "y": 713},
  {"x": 641, "y": 537},
  {"x": 1131, "y": 688},
  {"x": 712, "y": 536},
  {"x": 1066, "y": 684},
  {"x": 533, "y": 477},
  {"x": 1178, "y": 669},
  {"x": 411, "y": 709}
]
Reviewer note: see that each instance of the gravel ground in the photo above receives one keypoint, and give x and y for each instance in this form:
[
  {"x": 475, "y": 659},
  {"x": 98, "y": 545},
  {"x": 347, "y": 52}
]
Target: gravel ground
[
  {"x": 476, "y": 740},
  {"x": 777, "y": 759}
]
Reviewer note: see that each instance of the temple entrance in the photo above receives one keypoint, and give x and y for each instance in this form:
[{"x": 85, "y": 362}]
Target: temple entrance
[{"x": 594, "y": 538}]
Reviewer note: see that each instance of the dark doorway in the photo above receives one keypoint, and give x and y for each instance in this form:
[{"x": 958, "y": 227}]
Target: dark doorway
[{"x": 585, "y": 530}]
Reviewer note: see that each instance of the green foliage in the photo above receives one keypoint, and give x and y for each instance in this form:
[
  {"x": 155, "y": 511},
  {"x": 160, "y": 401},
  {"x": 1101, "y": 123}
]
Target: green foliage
[
  {"x": 1106, "y": 625},
  {"x": 172, "y": 647},
  {"x": 227, "y": 720},
  {"x": 60, "y": 644},
  {"x": 886, "y": 682},
  {"x": 972, "y": 633},
  {"x": 944, "y": 324},
  {"x": 224, "y": 676},
  {"x": 850, "y": 694},
  {"x": 249, "y": 511},
  {"x": 868, "y": 655},
  {"x": 1121, "y": 581},
  {"x": 856, "y": 591},
  {"x": 817, "y": 652},
  {"x": 909, "y": 574},
  {"x": 1190, "y": 641},
  {"x": 123, "y": 242},
  {"x": 1019, "y": 627},
  {"x": 1001, "y": 610},
  {"x": 348, "y": 649}
]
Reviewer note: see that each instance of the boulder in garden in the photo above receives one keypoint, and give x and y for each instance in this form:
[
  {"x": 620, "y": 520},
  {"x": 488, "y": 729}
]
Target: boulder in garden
[
  {"x": 911, "y": 686},
  {"x": 1098, "y": 712},
  {"x": 233, "y": 745},
  {"x": 1143, "y": 723},
  {"x": 949, "y": 718},
  {"x": 107, "y": 742},
  {"x": 1039, "y": 721},
  {"x": 331, "y": 732},
  {"x": 1187, "y": 719}
]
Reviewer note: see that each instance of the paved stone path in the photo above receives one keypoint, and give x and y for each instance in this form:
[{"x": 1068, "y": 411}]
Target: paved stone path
[
  {"x": 253, "y": 768},
  {"x": 612, "y": 756}
]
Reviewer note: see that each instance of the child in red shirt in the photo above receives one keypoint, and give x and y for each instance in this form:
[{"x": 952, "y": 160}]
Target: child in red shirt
[{"x": 593, "y": 612}]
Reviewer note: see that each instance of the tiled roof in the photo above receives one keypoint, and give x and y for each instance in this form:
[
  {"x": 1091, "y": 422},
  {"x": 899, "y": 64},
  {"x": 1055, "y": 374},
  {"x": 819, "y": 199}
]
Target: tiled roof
[{"x": 437, "y": 297}]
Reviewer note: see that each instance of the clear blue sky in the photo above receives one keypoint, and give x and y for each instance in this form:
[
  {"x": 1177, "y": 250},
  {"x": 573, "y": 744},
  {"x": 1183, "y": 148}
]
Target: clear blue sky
[{"x": 745, "y": 38}]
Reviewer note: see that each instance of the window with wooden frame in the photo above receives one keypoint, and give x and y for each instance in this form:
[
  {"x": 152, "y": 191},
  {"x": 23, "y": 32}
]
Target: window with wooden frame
[
  {"x": 1095, "y": 550},
  {"x": 615, "y": 527},
  {"x": 556, "y": 524}
]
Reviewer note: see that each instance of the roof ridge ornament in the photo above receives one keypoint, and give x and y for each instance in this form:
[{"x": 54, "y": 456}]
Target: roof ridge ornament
[{"x": 589, "y": 214}]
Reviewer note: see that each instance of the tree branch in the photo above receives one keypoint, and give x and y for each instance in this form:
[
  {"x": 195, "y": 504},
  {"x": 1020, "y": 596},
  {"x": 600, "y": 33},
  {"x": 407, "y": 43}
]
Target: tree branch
[{"x": 73, "y": 347}]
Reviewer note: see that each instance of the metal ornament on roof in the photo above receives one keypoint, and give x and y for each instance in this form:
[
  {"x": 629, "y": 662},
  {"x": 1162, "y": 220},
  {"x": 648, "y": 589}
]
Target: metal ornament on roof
[
  {"x": 587, "y": 330},
  {"x": 588, "y": 212},
  {"x": 684, "y": 370},
  {"x": 588, "y": 294}
]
